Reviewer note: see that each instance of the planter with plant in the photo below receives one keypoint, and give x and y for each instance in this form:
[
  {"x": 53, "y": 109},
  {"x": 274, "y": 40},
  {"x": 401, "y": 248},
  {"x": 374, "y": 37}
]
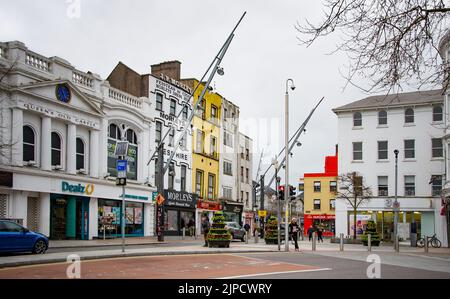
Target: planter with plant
[
  {"x": 374, "y": 236},
  {"x": 271, "y": 231},
  {"x": 218, "y": 235}
]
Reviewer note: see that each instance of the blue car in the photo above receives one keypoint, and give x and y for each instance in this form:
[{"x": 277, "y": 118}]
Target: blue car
[{"x": 16, "y": 238}]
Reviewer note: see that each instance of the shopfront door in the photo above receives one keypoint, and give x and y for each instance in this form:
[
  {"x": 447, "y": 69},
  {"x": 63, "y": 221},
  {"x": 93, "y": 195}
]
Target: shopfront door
[{"x": 69, "y": 217}]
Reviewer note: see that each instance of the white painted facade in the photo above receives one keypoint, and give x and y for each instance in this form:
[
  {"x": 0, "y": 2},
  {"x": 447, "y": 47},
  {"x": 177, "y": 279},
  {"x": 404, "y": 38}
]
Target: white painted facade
[
  {"x": 245, "y": 164},
  {"x": 28, "y": 98},
  {"x": 423, "y": 166}
]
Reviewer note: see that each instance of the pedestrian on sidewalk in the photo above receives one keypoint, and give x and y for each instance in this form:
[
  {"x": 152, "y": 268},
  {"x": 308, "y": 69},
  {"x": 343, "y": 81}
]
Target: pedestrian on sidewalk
[
  {"x": 191, "y": 226},
  {"x": 293, "y": 229},
  {"x": 310, "y": 233},
  {"x": 205, "y": 227},
  {"x": 319, "y": 234}
]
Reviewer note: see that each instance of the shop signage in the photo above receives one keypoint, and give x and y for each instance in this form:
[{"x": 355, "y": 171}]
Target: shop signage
[
  {"x": 262, "y": 213},
  {"x": 322, "y": 217},
  {"x": 173, "y": 119},
  {"x": 6, "y": 179},
  {"x": 177, "y": 155},
  {"x": 61, "y": 115},
  {"x": 172, "y": 90},
  {"x": 129, "y": 196},
  {"x": 232, "y": 208},
  {"x": 83, "y": 189},
  {"x": 180, "y": 199},
  {"x": 208, "y": 205}
]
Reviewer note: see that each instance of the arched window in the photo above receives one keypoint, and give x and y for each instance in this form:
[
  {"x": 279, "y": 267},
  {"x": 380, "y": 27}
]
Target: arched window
[
  {"x": 437, "y": 113},
  {"x": 357, "y": 119},
  {"x": 56, "y": 149},
  {"x": 29, "y": 145},
  {"x": 409, "y": 115},
  {"x": 80, "y": 154},
  {"x": 382, "y": 117},
  {"x": 114, "y": 135},
  {"x": 132, "y": 155}
]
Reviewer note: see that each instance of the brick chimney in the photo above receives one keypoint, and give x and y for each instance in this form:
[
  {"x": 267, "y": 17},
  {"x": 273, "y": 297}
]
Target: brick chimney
[{"x": 171, "y": 69}]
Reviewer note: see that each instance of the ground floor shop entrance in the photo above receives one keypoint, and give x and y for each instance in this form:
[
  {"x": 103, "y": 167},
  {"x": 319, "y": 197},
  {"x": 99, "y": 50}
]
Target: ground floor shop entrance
[
  {"x": 177, "y": 219},
  {"x": 110, "y": 218},
  {"x": 69, "y": 217}
]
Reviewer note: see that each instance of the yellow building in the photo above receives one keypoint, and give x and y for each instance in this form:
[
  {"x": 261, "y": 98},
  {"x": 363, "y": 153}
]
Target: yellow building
[
  {"x": 205, "y": 147},
  {"x": 320, "y": 197}
]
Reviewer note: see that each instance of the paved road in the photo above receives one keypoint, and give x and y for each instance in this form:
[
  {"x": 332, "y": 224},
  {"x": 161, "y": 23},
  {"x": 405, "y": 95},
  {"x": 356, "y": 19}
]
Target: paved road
[{"x": 261, "y": 265}]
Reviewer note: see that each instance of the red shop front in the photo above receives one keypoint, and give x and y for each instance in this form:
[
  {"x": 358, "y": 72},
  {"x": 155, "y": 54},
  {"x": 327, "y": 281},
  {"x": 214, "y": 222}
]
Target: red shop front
[{"x": 325, "y": 221}]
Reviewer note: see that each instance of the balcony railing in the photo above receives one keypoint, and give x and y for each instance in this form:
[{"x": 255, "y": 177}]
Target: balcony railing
[
  {"x": 83, "y": 79},
  {"x": 124, "y": 98},
  {"x": 37, "y": 61}
]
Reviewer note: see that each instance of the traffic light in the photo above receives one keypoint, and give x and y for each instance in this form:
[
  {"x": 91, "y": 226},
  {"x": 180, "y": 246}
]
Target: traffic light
[
  {"x": 281, "y": 192},
  {"x": 291, "y": 192},
  {"x": 121, "y": 181}
]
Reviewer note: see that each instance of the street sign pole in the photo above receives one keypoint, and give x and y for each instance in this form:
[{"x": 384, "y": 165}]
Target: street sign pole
[
  {"x": 123, "y": 218},
  {"x": 121, "y": 151}
]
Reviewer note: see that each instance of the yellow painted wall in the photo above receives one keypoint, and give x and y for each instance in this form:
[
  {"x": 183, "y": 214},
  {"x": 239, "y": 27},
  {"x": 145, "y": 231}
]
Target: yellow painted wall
[
  {"x": 210, "y": 128},
  {"x": 325, "y": 195}
]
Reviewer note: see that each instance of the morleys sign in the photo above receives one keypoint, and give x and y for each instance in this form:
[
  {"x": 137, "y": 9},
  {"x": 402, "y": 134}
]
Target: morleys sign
[
  {"x": 82, "y": 189},
  {"x": 180, "y": 199}
]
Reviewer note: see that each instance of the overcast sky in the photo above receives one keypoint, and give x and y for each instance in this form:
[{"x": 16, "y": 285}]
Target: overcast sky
[{"x": 263, "y": 55}]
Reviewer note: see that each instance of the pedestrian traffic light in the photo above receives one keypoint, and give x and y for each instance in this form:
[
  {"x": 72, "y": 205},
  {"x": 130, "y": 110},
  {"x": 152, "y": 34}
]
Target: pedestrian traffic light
[
  {"x": 281, "y": 192},
  {"x": 121, "y": 181}
]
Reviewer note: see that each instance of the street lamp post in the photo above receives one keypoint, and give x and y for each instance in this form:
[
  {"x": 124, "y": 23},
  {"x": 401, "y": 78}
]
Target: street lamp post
[
  {"x": 286, "y": 152},
  {"x": 275, "y": 165},
  {"x": 395, "y": 200}
]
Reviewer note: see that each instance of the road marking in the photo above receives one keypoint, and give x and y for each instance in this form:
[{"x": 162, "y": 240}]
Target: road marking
[
  {"x": 429, "y": 257},
  {"x": 275, "y": 273}
]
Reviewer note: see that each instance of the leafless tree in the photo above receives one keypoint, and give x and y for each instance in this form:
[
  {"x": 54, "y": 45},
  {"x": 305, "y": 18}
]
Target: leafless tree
[
  {"x": 389, "y": 42},
  {"x": 5, "y": 69},
  {"x": 353, "y": 190}
]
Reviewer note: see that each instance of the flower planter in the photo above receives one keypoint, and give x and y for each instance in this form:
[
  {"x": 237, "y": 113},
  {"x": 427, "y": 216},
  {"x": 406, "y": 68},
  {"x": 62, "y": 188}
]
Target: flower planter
[
  {"x": 218, "y": 235},
  {"x": 219, "y": 243}
]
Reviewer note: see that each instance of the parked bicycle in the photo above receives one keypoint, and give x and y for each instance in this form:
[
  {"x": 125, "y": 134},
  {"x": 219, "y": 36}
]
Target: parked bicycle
[{"x": 433, "y": 241}]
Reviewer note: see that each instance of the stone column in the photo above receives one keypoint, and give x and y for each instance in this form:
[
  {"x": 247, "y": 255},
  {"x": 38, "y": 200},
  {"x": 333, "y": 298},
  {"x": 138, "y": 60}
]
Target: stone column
[
  {"x": 93, "y": 218},
  {"x": 94, "y": 153},
  {"x": 17, "y": 137},
  {"x": 71, "y": 148},
  {"x": 46, "y": 143}
]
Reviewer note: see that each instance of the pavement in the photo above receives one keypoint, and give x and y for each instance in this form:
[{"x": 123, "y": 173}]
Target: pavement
[{"x": 59, "y": 251}]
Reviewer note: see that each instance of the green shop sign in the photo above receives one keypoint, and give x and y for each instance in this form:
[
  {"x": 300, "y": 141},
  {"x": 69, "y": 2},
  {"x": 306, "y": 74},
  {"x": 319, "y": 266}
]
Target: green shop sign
[{"x": 83, "y": 189}]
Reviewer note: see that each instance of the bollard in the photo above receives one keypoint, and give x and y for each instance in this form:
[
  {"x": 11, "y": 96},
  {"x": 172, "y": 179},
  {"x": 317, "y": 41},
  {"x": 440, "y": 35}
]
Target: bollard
[
  {"x": 369, "y": 242},
  {"x": 341, "y": 242},
  {"x": 426, "y": 244},
  {"x": 246, "y": 237},
  {"x": 256, "y": 237},
  {"x": 184, "y": 232},
  {"x": 397, "y": 244},
  {"x": 314, "y": 242}
]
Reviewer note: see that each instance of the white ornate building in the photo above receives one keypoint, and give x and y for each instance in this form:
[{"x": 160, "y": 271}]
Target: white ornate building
[{"x": 59, "y": 128}]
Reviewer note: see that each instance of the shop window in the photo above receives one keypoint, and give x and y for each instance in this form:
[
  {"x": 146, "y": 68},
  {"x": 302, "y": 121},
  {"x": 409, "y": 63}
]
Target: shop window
[
  {"x": 214, "y": 115},
  {"x": 382, "y": 117},
  {"x": 199, "y": 142},
  {"x": 409, "y": 116},
  {"x": 316, "y": 204},
  {"x": 357, "y": 119},
  {"x": 110, "y": 217},
  {"x": 227, "y": 192},
  {"x": 436, "y": 185},
  {"x": 333, "y": 186},
  {"x": 227, "y": 168},
  {"x": 317, "y": 186},
  {"x": 437, "y": 113},
  {"x": 382, "y": 150},
  {"x": 171, "y": 221},
  {"x": 410, "y": 185},
  {"x": 357, "y": 151},
  {"x": 409, "y": 149},
  {"x": 437, "y": 148},
  {"x": 80, "y": 154},
  {"x": 382, "y": 186},
  {"x": 29, "y": 144},
  {"x": 159, "y": 101},
  {"x": 212, "y": 145},
  {"x": 56, "y": 149},
  {"x": 173, "y": 107}
]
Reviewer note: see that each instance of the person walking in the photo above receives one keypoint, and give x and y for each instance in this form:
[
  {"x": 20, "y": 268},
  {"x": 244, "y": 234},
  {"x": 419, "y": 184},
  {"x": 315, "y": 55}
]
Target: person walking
[
  {"x": 319, "y": 234},
  {"x": 191, "y": 226},
  {"x": 205, "y": 227},
  {"x": 310, "y": 233},
  {"x": 293, "y": 229}
]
